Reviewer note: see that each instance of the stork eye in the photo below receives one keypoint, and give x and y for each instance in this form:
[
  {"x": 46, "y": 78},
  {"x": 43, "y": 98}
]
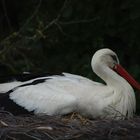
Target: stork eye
[{"x": 114, "y": 58}]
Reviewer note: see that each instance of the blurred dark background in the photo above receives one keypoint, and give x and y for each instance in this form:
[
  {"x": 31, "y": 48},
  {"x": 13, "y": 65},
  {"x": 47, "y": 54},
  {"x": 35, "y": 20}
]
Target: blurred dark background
[{"x": 43, "y": 36}]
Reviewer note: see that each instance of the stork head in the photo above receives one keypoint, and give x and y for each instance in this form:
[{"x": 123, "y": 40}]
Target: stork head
[{"x": 106, "y": 57}]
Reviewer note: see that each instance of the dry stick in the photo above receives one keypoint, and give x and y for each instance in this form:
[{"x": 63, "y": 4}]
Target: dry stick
[
  {"x": 3, "y": 123},
  {"x": 118, "y": 112},
  {"x": 11, "y": 138},
  {"x": 49, "y": 136},
  {"x": 9, "y": 113},
  {"x": 31, "y": 136},
  {"x": 24, "y": 133}
]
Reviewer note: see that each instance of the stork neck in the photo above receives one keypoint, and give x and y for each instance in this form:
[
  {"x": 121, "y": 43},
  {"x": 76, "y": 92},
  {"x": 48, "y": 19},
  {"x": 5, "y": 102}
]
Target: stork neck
[
  {"x": 110, "y": 77},
  {"x": 124, "y": 94}
]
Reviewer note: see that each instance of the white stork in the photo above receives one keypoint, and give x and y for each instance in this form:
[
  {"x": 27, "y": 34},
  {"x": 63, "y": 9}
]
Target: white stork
[{"x": 59, "y": 95}]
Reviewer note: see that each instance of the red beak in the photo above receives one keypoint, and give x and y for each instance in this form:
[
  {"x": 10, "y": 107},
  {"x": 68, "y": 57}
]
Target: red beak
[{"x": 122, "y": 72}]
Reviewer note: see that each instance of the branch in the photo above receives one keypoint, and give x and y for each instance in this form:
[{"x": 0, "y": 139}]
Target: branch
[
  {"x": 62, "y": 9},
  {"x": 15, "y": 34},
  {"x": 32, "y": 16},
  {"x": 6, "y": 15},
  {"x": 79, "y": 21},
  {"x": 58, "y": 23},
  {"x": 54, "y": 21},
  {"x": 61, "y": 29}
]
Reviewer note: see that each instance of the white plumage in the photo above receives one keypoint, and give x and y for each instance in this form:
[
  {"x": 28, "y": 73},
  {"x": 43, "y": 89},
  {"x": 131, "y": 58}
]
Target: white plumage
[{"x": 60, "y": 95}]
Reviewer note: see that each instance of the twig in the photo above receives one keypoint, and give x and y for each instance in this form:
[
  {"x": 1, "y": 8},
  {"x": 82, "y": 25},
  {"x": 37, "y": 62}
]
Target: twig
[
  {"x": 78, "y": 21},
  {"x": 28, "y": 135},
  {"x": 44, "y": 128},
  {"x": 117, "y": 112},
  {"x": 61, "y": 29},
  {"x": 54, "y": 21},
  {"x": 50, "y": 24},
  {"x": 32, "y": 16},
  {"x": 3, "y": 111},
  {"x": 58, "y": 23},
  {"x": 62, "y": 9},
  {"x": 110, "y": 132},
  {"x": 31, "y": 136},
  {"x": 6, "y": 15},
  {"x": 49, "y": 136},
  {"x": 11, "y": 138},
  {"x": 25, "y": 24},
  {"x": 3, "y": 123}
]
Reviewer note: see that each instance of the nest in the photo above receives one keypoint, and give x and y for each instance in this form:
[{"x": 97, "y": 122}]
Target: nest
[{"x": 31, "y": 127}]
